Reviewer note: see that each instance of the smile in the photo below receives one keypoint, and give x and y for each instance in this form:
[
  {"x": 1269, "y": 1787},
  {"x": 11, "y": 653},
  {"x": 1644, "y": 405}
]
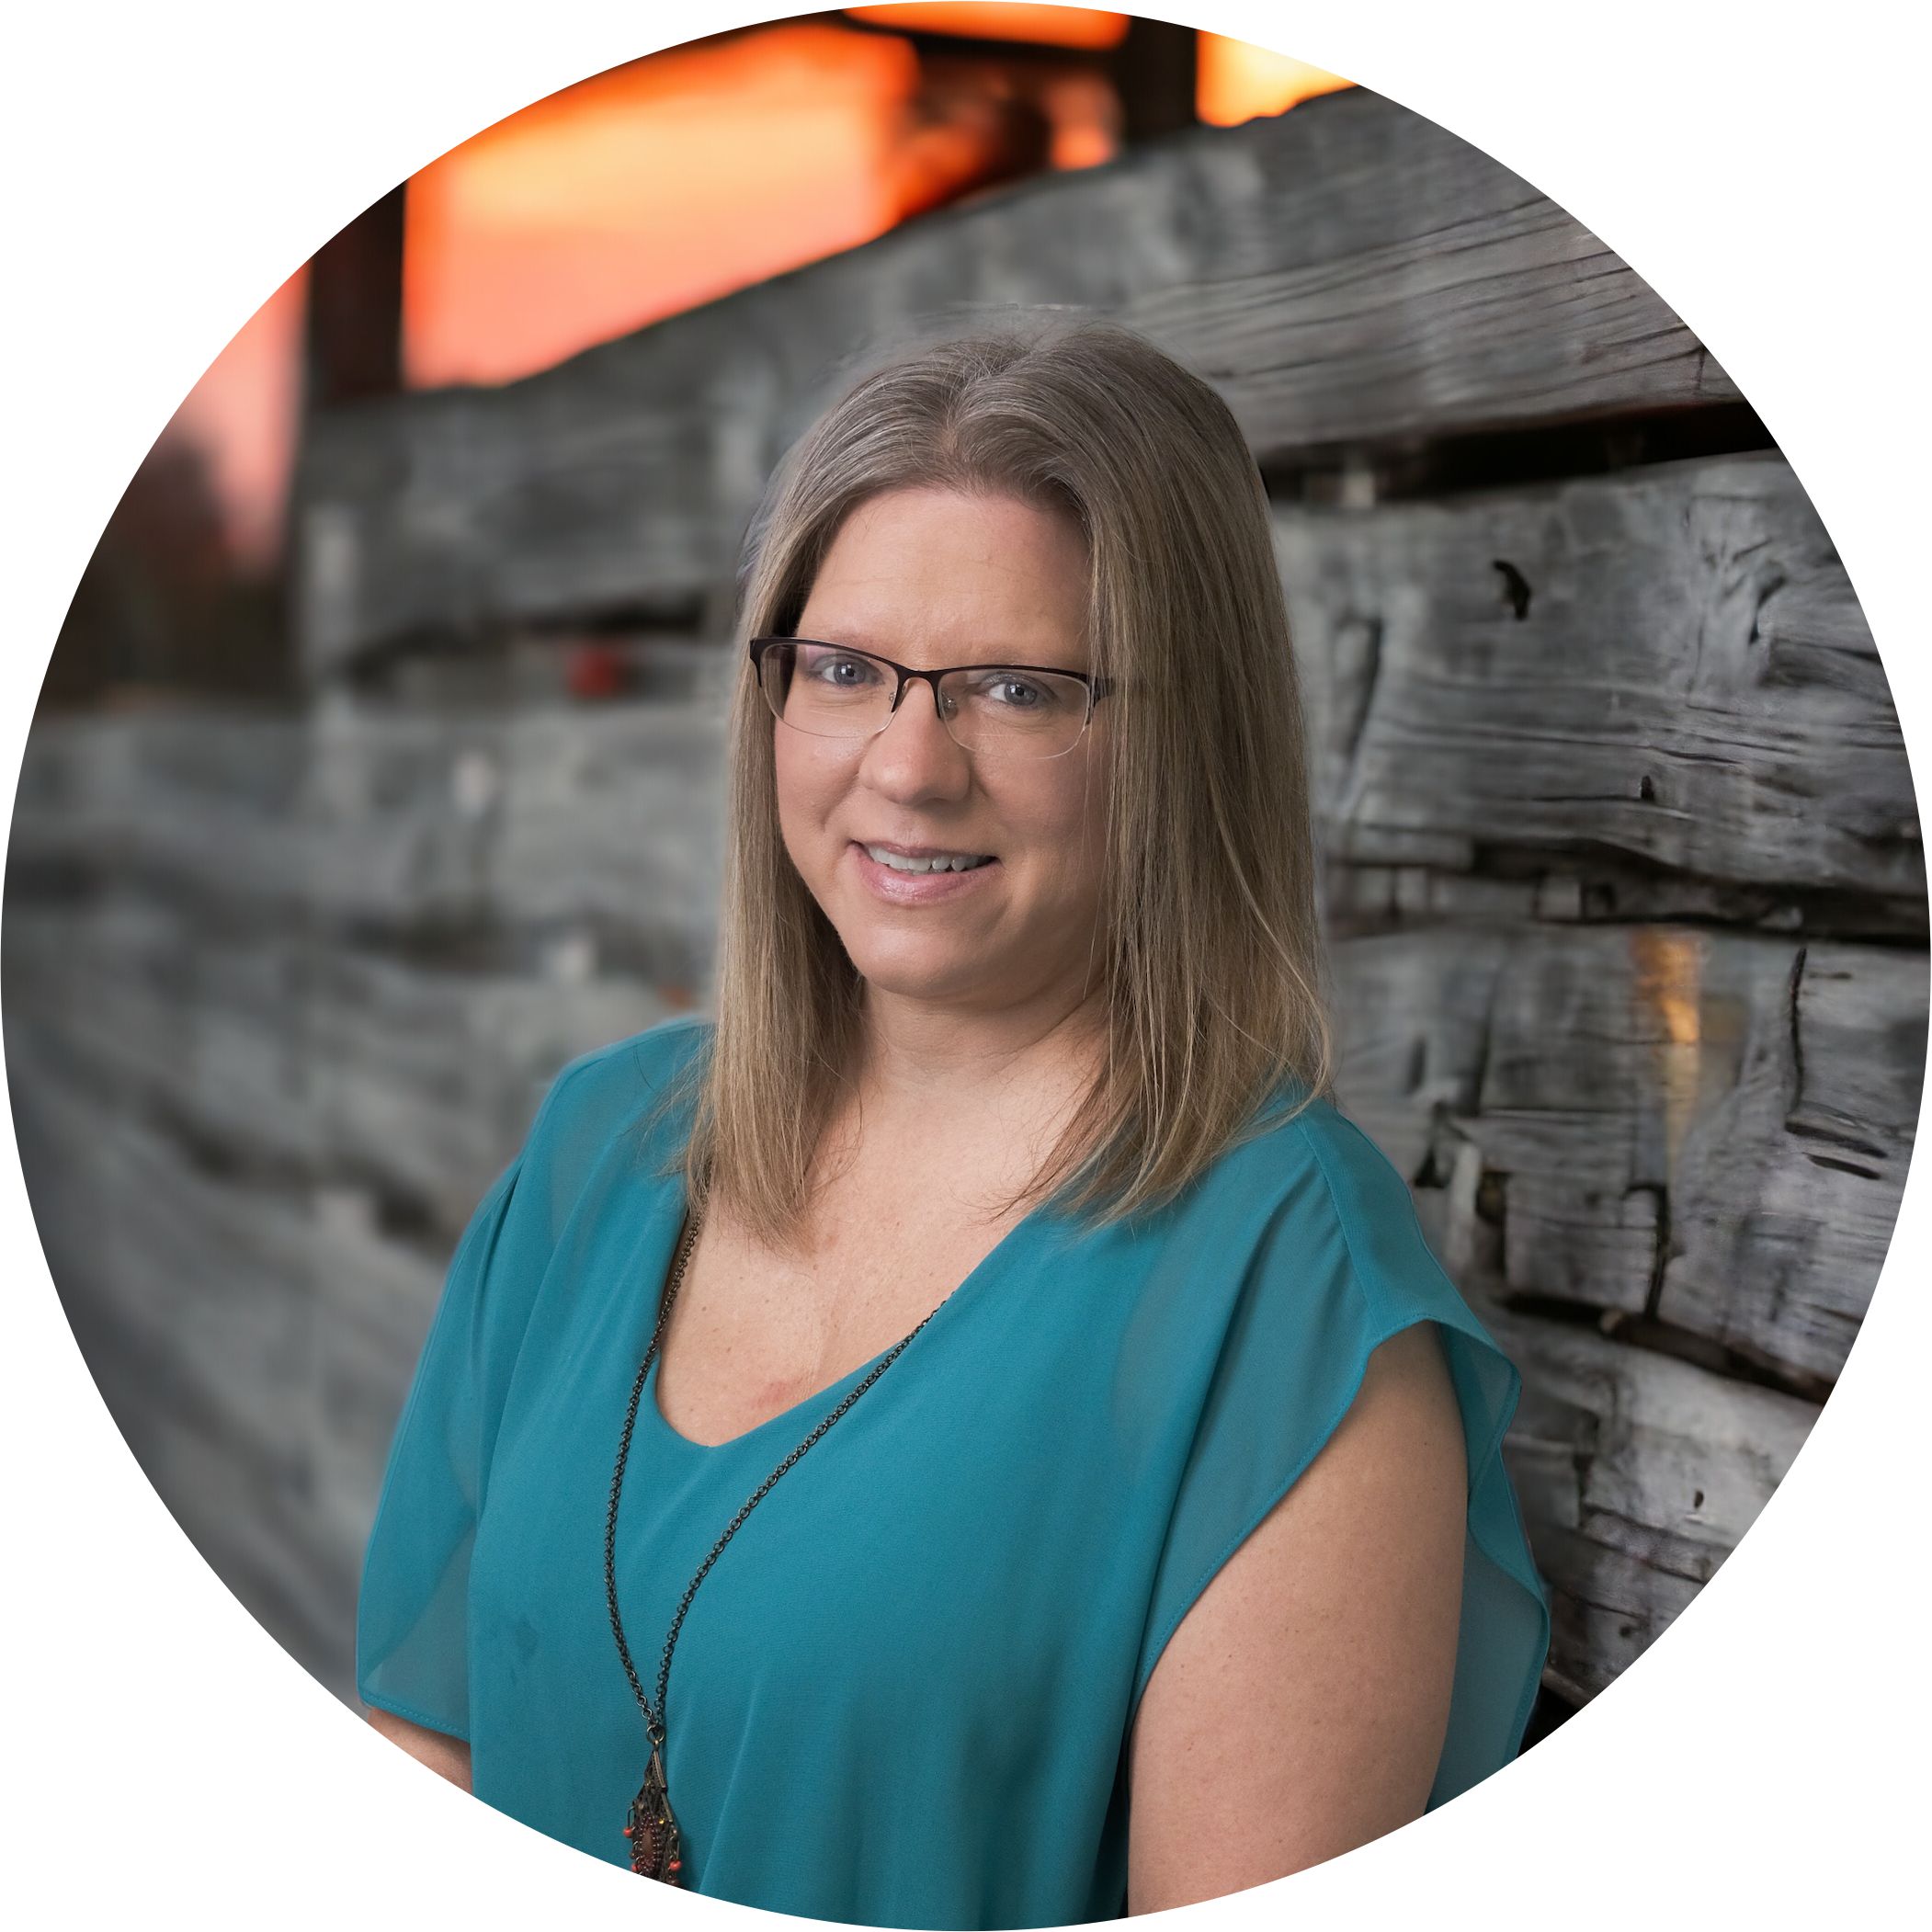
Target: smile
[
  {"x": 918, "y": 879},
  {"x": 936, "y": 863}
]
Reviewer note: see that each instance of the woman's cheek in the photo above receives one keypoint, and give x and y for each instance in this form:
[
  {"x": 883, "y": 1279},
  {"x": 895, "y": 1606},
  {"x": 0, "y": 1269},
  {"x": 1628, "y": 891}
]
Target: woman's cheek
[{"x": 796, "y": 813}]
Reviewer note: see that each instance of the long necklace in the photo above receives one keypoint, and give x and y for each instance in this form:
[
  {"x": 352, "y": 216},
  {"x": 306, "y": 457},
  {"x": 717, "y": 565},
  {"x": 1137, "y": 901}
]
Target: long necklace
[{"x": 651, "y": 1825}]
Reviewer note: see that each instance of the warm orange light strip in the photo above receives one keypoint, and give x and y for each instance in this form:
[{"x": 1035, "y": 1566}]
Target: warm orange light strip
[
  {"x": 645, "y": 191},
  {"x": 1050, "y": 25},
  {"x": 1236, "y": 81},
  {"x": 241, "y": 416}
]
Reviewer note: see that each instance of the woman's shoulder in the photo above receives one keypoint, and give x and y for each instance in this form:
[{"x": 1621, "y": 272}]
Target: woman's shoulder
[
  {"x": 614, "y": 1089},
  {"x": 1312, "y": 1178},
  {"x": 1363, "y": 1182},
  {"x": 640, "y": 1064},
  {"x": 1298, "y": 1140}
]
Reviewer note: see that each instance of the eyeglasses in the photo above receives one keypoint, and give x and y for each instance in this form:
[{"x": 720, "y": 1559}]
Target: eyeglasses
[{"x": 1016, "y": 711}]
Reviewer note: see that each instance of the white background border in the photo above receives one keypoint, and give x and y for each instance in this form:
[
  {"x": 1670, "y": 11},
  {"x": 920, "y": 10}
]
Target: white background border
[{"x": 167, "y": 167}]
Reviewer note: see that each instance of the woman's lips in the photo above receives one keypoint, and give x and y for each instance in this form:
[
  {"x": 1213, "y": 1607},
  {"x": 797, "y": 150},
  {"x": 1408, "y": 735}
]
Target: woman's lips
[{"x": 914, "y": 888}]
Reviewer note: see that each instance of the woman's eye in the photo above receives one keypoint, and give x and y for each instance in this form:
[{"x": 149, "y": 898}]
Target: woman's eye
[
  {"x": 1018, "y": 693},
  {"x": 1011, "y": 692},
  {"x": 843, "y": 670}
]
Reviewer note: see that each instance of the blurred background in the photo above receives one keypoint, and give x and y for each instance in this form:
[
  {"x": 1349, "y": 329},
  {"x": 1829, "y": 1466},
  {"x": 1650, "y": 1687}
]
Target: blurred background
[
  {"x": 377, "y": 770},
  {"x": 640, "y": 193}
]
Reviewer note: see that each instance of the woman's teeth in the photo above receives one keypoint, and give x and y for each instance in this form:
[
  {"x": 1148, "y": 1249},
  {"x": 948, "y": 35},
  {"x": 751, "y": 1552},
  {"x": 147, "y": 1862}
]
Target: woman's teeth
[{"x": 947, "y": 862}]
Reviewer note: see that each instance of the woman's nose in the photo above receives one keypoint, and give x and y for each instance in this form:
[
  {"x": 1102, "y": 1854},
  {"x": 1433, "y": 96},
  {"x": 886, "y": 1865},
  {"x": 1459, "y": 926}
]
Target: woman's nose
[{"x": 916, "y": 751}]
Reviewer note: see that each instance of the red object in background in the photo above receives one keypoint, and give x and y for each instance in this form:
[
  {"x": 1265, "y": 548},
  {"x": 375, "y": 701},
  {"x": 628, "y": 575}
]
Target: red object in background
[{"x": 596, "y": 670}]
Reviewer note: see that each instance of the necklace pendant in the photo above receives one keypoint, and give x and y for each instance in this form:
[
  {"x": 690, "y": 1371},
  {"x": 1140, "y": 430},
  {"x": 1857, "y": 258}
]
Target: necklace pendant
[{"x": 652, "y": 1830}]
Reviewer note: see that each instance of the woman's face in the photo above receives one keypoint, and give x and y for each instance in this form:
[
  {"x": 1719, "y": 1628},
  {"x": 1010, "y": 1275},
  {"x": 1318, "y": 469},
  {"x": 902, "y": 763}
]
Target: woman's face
[{"x": 930, "y": 578}]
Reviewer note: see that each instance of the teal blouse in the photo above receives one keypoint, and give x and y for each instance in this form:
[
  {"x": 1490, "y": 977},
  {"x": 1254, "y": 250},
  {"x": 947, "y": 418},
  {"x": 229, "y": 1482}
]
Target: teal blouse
[{"x": 901, "y": 1697}]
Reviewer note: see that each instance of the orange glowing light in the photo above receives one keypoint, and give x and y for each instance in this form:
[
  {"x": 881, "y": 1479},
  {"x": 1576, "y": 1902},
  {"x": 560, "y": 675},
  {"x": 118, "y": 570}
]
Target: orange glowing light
[
  {"x": 646, "y": 190},
  {"x": 1235, "y": 81},
  {"x": 1048, "y": 26},
  {"x": 241, "y": 416},
  {"x": 1085, "y": 113},
  {"x": 1669, "y": 974}
]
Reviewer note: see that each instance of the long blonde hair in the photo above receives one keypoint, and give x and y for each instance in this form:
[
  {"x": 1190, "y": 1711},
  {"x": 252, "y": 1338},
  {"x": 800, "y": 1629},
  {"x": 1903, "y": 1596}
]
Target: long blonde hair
[{"x": 1213, "y": 974}]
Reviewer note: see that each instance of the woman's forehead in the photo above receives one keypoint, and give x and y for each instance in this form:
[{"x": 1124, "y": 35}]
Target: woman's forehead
[
  {"x": 991, "y": 539},
  {"x": 933, "y": 565}
]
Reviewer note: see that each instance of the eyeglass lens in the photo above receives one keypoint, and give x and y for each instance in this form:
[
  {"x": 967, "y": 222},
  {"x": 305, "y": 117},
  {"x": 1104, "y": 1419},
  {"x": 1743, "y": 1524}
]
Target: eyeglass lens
[{"x": 835, "y": 693}]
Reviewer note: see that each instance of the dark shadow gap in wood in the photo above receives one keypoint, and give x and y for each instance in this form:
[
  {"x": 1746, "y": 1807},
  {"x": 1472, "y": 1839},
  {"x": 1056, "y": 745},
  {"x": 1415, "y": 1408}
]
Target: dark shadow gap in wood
[
  {"x": 1642, "y": 1331},
  {"x": 1504, "y": 459}
]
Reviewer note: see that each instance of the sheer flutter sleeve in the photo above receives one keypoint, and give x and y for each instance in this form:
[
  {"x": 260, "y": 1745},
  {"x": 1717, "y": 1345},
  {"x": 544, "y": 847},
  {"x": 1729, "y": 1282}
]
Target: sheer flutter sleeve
[
  {"x": 413, "y": 1637},
  {"x": 1325, "y": 1266},
  {"x": 411, "y": 1621}
]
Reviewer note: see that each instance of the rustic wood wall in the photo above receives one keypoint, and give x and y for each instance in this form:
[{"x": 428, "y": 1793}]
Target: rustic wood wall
[{"x": 1624, "y": 875}]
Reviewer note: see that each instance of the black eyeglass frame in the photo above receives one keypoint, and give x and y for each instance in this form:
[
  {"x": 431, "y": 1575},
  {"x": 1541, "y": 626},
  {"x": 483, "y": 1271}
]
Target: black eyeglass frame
[{"x": 1097, "y": 687}]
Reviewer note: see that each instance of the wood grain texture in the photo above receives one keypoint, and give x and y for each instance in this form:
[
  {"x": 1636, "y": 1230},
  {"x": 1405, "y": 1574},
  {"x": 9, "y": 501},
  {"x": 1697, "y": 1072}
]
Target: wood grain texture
[
  {"x": 1623, "y": 867},
  {"x": 253, "y": 1342},
  {"x": 297, "y": 1056},
  {"x": 1708, "y": 1129},
  {"x": 1708, "y": 735},
  {"x": 1638, "y": 1475},
  {"x": 1770, "y": 1255},
  {"x": 1661, "y": 678},
  {"x": 1705, "y": 1127},
  {"x": 448, "y": 831},
  {"x": 1347, "y": 274}
]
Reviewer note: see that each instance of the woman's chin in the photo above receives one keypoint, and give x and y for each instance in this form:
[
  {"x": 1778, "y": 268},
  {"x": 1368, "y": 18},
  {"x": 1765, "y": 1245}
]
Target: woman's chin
[
  {"x": 932, "y": 988},
  {"x": 941, "y": 978}
]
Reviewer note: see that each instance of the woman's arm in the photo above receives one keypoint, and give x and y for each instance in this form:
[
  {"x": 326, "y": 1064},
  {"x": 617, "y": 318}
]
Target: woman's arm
[
  {"x": 1299, "y": 1708},
  {"x": 448, "y": 1757}
]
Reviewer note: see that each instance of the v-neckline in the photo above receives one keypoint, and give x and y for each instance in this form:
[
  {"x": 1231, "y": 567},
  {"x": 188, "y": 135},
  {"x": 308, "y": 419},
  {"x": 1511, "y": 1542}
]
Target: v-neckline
[{"x": 792, "y": 1423}]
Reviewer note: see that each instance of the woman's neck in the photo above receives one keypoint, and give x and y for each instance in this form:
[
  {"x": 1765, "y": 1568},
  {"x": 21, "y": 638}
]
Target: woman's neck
[
  {"x": 915, "y": 1056},
  {"x": 962, "y": 1110},
  {"x": 968, "y": 1103}
]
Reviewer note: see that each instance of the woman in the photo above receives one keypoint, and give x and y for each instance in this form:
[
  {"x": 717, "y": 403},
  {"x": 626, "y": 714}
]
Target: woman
[{"x": 1057, "y": 1481}]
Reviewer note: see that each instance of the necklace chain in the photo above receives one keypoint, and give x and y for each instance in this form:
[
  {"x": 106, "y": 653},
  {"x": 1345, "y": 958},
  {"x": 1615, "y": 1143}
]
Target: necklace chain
[{"x": 654, "y": 1716}]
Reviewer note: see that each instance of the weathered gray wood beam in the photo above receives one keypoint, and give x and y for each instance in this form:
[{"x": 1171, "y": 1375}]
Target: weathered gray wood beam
[
  {"x": 1690, "y": 718},
  {"x": 1663, "y": 671},
  {"x": 1705, "y": 1129},
  {"x": 253, "y": 1344},
  {"x": 541, "y": 827},
  {"x": 1638, "y": 1475},
  {"x": 1347, "y": 274},
  {"x": 306, "y": 1062}
]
